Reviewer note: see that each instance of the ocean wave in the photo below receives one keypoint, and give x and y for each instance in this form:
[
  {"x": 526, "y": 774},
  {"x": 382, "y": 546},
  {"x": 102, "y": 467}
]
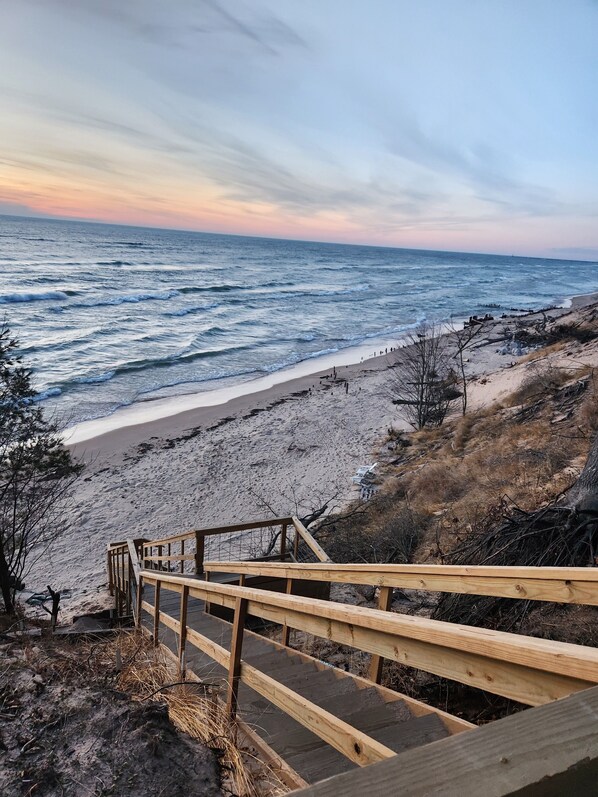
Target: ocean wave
[
  {"x": 133, "y": 298},
  {"x": 211, "y": 289},
  {"x": 190, "y": 310},
  {"x": 113, "y": 263},
  {"x": 49, "y": 393},
  {"x": 47, "y": 296},
  {"x": 135, "y": 366}
]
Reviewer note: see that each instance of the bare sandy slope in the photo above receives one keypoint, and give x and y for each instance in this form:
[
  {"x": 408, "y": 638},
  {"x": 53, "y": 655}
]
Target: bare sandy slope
[{"x": 287, "y": 448}]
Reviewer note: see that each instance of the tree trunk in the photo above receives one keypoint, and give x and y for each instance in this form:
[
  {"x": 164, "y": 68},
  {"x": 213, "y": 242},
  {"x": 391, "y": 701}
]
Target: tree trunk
[
  {"x": 5, "y": 585},
  {"x": 583, "y": 495}
]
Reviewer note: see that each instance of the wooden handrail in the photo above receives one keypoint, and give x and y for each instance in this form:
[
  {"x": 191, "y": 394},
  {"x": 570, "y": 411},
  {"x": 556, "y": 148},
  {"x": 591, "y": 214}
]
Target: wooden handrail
[
  {"x": 526, "y": 669},
  {"x": 577, "y": 585},
  {"x": 351, "y": 742},
  {"x": 252, "y": 524},
  {"x": 310, "y": 541}
]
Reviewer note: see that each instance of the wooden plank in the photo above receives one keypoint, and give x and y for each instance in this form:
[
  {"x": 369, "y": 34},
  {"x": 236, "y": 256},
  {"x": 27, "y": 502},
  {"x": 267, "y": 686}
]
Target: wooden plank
[
  {"x": 134, "y": 559},
  {"x": 200, "y": 542},
  {"x": 189, "y": 557},
  {"x": 384, "y": 603},
  {"x": 525, "y": 669},
  {"x": 236, "y": 646},
  {"x": 157, "y": 589},
  {"x": 246, "y": 526},
  {"x": 139, "y": 602},
  {"x": 543, "y": 752},
  {"x": 183, "y": 622},
  {"x": 575, "y": 585},
  {"x": 209, "y": 647},
  {"x": 284, "y": 637},
  {"x": 532, "y": 685},
  {"x": 286, "y": 773},
  {"x": 577, "y": 661},
  {"x": 309, "y": 540},
  {"x": 354, "y": 744}
]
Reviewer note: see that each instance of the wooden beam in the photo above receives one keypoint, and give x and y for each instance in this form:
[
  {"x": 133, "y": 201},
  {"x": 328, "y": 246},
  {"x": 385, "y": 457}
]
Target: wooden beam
[
  {"x": 575, "y": 585},
  {"x": 354, "y": 744},
  {"x": 283, "y": 542},
  {"x": 526, "y": 669},
  {"x": 384, "y": 603},
  {"x": 211, "y": 648},
  {"x": 234, "y": 667},
  {"x": 284, "y": 637},
  {"x": 310, "y": 541},
  {"x": 189, "y": 557},
  {"x": 246, "y": 526},
  {"x": 543, "y": 752},
  {"x": 200, "y": 543},
  {"x": 183, "y": 622},
  {"x": 157, "y": 589}
]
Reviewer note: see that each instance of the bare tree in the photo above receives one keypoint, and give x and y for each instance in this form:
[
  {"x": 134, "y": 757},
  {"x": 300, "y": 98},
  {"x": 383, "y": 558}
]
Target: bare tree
[
  {"x": 464, "y": 338},
  {"x": 36, "y": 472},
  {"x": 422, "y": 381}
]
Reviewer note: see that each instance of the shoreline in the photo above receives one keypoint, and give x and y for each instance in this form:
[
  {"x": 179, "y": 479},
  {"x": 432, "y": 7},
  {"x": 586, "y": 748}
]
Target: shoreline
[{"x": 131, "y": 423}]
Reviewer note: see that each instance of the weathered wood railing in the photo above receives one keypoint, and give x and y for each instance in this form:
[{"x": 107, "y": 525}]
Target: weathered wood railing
[
  {"x": 274, "y": 538},
  {"x": 123, "y": 567},
  {"x": 575, "y": 585}
]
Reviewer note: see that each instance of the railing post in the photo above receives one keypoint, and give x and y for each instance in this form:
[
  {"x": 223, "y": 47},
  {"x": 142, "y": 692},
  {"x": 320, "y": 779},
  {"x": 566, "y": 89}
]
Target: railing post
[
  {"x": 160, "y": 554},
  {"x": 182, "y": 554},
  {"x": 283, "y": 542},
  {"x": 156, "y": 611},
  {"x": 207, "y": 602},
  {"x": 130, "y": 578},
  {"x": 139, "y": 600},
  {"x": 234, "y": 668},
  {"x": 110, "y": 572},
  {"x": 296, "y": 545},
  {"x": 183, "y": 627},
  {"x": 285, "y": 629},
  {"x": 376, "y": 662},
  {"x": 199, "y": 552}
]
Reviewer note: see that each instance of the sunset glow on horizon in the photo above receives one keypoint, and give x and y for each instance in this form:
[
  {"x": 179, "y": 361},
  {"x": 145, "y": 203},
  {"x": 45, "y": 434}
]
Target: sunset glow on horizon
[{"x": 464, "y": 126}]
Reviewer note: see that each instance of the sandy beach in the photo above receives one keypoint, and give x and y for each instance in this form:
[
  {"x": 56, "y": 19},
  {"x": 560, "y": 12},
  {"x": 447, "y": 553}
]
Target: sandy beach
[{"x": 279, "y": 450}]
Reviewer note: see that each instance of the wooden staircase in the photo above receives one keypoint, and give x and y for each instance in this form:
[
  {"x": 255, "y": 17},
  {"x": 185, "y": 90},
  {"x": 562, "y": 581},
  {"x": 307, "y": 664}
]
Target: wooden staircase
[
  {"x": 316, "y": 723},
  {"x": 378, "y": 712}
]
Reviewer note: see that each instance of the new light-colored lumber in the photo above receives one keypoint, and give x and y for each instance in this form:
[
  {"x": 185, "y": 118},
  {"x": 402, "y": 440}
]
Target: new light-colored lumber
[
  {"x": 384, "y": 603},
  {"x": 354, "y": 744},
  {"x": 549, "y": 751},
  {"x": 207, "y": 646},
  {"x": 526, "y": 669},
  {"x": 310, "y": 541},
  {"x": 576, "y": 585},
  {"x": 234, "y": 666}
]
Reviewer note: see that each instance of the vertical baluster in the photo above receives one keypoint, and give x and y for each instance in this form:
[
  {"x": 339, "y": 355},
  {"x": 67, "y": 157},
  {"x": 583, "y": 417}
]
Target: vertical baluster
[
  {"x": 285, "y": 628},
  {"x": 283, "y": 542},
  {"x": 183, "y": 634},
  {"x": 182, "y": 554},
  {"x": 199, "y": 553},
  {"x": 234, "y": 669},
  {"x": 156, "y": 611},
  {"x": 376, "y": 662},
  {"x": 139, "y": 600}
]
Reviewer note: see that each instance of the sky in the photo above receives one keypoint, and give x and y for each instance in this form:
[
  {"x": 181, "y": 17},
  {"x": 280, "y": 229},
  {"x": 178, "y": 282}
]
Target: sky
[{"x": 467, "y": 125}]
